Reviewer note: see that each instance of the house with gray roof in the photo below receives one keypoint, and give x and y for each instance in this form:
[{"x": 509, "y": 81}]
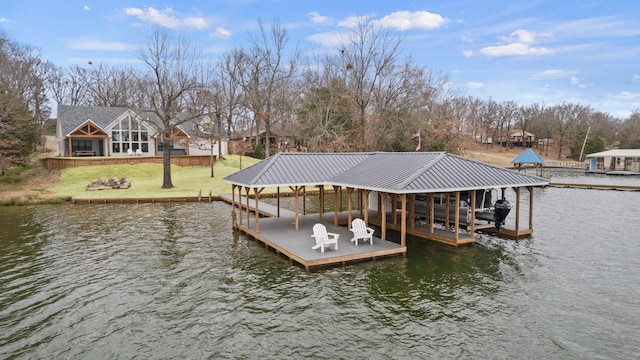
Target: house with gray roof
[{"x": 121, "y": 131}]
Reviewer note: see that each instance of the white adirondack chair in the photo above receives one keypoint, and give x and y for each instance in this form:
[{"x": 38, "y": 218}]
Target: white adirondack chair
[
  {"x": 361, "y": 231},
  {"x": 324, "y": 238}
]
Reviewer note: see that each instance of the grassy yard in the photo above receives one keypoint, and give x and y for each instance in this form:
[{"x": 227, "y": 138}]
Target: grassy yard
[{"x": 146, "y": 180}]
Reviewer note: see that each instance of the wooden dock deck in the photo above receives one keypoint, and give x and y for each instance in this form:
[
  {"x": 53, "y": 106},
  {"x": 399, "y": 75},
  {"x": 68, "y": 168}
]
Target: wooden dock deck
[{"x": 280, "y": 234}]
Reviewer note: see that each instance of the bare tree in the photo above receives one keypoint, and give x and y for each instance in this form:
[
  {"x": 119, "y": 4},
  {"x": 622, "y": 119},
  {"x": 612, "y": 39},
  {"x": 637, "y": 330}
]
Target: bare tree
[
  {"x": 229, "y": 80},
  {"x": 367, "y": 52},
  {"x": 172, "y": 79},
  {"x": 112, "y": 85},
  {"x": 324, "y": 113},
  {"x": 629, "y": 134},
  {"x": 267, "y": 69},
  {"x": 505, "y": 115},
  {"x": 439, "y": 113},
  {"x": 565, "y": 116}
]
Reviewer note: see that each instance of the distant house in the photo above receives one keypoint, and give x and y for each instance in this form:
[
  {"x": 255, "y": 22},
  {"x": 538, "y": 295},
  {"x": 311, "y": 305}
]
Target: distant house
[
  {"x": 519, "y": 138},
  {"x": 280, "y": 137},
  {"x": 121, "y": 131},
  {"x": 618, "y": 161}
]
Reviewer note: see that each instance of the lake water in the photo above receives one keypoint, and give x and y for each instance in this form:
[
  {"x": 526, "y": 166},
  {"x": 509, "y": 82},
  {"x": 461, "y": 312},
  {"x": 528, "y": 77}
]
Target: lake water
[{"x": 173, "y": 281}]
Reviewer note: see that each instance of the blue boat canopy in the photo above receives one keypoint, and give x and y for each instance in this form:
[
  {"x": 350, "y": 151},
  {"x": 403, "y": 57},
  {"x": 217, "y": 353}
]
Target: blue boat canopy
[{"x": 528, "y": 157}]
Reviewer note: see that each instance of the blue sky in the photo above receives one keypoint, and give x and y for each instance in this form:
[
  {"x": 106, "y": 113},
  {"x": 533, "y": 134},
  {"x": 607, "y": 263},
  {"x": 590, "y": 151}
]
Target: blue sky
[{"x": 585, "y": 52}]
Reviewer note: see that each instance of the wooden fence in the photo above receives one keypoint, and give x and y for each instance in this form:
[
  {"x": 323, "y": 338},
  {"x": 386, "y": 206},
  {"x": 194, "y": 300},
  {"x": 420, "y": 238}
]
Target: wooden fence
[{"x": 59, "y": 163}]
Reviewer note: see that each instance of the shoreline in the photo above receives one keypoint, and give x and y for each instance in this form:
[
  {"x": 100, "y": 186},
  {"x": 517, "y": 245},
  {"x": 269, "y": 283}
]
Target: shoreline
[{"x": 37, "y": 184}]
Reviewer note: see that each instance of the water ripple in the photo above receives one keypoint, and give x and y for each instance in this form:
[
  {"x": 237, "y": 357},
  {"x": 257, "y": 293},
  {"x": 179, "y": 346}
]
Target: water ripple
[{"x": 173, "y": 281}]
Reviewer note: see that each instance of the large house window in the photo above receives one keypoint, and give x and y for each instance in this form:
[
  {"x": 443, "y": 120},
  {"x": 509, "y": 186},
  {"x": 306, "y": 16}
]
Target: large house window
[
  {"x": 129, "y": 134},
  {"x": 81, "y": 145}
]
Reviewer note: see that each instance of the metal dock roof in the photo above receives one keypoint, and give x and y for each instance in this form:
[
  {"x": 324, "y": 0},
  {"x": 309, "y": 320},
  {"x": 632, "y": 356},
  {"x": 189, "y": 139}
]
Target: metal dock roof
[{"x": 392, "y": 172}]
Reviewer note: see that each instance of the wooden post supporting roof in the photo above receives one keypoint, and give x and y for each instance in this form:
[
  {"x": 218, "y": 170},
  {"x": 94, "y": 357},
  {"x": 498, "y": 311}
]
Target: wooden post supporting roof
[
  {"x": 240, "y": 205},
  {"x": 530, "y": 188},
  {"x": 321, "y": 200},
  {"x": 246, "y": 190},
  {"x": 447, "y": 211},
  {"x": 349, "y": 207},
  {"x": 472, "y": 206},
  {"x": 412, "y": 210},
  {"x": 403, "y": 217},
  {"x": 394, "y": 207},
  {"x": 365, "y": 207},
  {"x": 517, "y": 190},
  {"x": 336, "y": 189},
  {"x": 456, "y": 221},
  {"x": 383, "y": 212},
  {"x": 233, "y": 206},
  {"x": 296, "y": 191},
  {"x": 431, "y": 213},
  {"x": 257, "y": 199},
  {"x": 278, "y": 200},
  {"x": 304, "y": 201}
]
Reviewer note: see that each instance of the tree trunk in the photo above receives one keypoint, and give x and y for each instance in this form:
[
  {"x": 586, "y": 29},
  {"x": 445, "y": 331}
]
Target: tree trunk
[
  {"x": 267, "y": 125},
  {"x": 166, "y": 163}
]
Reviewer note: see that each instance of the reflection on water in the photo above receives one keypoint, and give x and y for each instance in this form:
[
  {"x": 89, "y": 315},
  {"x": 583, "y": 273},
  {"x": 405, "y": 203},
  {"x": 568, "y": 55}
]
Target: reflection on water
[{"x": 175, "y": 281}]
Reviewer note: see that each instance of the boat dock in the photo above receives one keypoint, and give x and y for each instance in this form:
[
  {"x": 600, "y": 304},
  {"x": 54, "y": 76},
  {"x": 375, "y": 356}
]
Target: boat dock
[{"x": 277, "y": 230}]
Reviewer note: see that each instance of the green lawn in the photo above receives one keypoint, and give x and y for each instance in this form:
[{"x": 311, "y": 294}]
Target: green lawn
[{"x": 146, "y": 180}]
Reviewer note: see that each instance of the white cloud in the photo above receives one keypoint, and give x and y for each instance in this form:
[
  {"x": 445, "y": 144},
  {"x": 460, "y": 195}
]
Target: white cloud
[
  {"x": 627, "y": 95},
  {"x": 513, "y": 50},
  {"x": 316, "y": 18},
  {"x": 86, "y": 8},
  {"x": 221, "y": 33},
  {"x": 4, "y": 20},
  {"x": 635, "y": 79},
  {"x": 518, "y": 43},
  {"x": 550, "y": 74},
  {"x": 91, "y": 44},
  {"x": 475, "y": 85},
  {"x": 466, "y": 38},
  {"x": 405, "y": 20},
  {"x": 578, "y": 83},
  {"x": 468, "y": 53},
  {"x": 352, "y": 21},
  {"x": 522, "y": 36},
  {"x": 166, "y": 18}
]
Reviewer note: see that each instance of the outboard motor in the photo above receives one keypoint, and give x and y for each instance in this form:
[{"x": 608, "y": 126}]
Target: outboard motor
[{"x": 502, "y": 209}]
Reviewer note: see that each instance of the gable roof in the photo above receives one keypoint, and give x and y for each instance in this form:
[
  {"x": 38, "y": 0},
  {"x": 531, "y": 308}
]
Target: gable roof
[
  {"x": 521, "y": 133},
  {"x": 528, "y": 157},
  {"x": 70, "y": 117},
  {"x": 400, "y": 172}
]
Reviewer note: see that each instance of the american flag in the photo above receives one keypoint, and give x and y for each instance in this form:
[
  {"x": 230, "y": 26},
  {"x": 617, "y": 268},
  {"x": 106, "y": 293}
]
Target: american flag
[{"x": 417, "y": 135}]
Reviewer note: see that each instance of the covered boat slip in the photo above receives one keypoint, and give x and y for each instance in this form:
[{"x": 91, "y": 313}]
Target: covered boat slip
[{"x": 403, "y": 186}]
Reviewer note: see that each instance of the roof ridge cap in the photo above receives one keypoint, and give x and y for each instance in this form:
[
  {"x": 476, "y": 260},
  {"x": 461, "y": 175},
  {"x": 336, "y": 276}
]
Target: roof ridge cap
[
  {"x": 421, "y": 170},
  {"x": 266, "y": 167}
]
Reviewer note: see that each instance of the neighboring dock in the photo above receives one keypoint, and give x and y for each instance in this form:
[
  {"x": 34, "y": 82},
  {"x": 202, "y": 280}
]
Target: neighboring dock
[{"x": 595, "y": 186}]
